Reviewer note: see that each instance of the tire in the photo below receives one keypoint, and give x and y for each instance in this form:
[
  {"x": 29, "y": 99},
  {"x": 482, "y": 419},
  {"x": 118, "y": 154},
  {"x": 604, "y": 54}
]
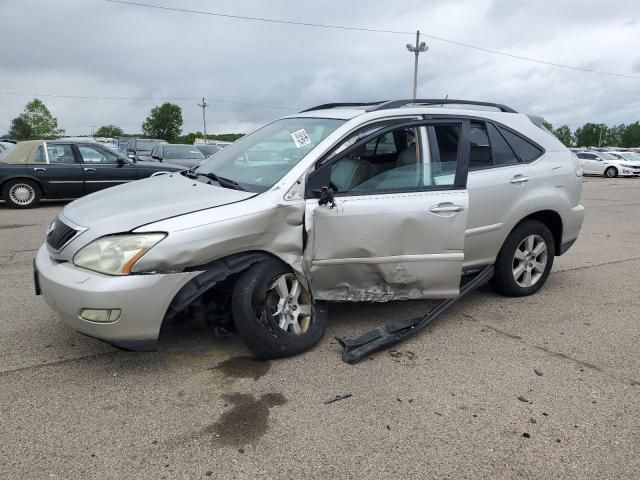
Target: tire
[
  {"x": 516, "y": 258},
  {"x": 611, "y": 172},
  {"x": 21, "y": 193},
  {"x": 269, "y": 326}
]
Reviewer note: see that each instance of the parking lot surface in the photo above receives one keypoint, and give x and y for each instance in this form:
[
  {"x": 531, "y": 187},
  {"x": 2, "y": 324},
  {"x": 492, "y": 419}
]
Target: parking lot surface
[{"x": 546, "y": 386}]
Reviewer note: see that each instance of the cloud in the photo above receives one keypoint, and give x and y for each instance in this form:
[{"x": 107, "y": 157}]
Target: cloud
[{"x": 109, "y": 50}]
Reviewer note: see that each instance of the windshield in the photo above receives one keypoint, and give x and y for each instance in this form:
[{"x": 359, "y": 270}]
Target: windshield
[
  {"x": 259, "y": 160},
  {"x": 146, "y": 145},
  {"x": 183, "y": 151},
  {"x": 607, "y": 156},
  {"x": 208, "y": 149}
]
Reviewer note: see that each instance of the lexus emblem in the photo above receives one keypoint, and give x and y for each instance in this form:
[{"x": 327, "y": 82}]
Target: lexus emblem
[{"x": 51, "y": 227}]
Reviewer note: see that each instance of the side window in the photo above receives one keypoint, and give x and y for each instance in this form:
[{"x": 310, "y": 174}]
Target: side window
[
  {"x": 479, "y": 148},
  {"x": 97, "y": 155},
  {"x": 39, "y": 156},
  {"x": 502, "y": 152},
  {"x": 441, "y": 169},
  {"x": 60, "y": 154},
  {"x": 586, "y": 156},
  {"x": 523, "y": 148},
  {"x": 389, "y": 162}
]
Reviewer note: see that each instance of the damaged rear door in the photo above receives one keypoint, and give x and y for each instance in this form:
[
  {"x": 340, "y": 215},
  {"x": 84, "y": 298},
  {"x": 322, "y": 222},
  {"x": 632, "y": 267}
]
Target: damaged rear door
[{"x": 385, "y": 218}]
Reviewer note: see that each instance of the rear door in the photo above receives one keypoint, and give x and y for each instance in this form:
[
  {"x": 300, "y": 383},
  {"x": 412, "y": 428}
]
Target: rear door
[
  {"x": 103, "y": 168},
  {"x": 59, "y": 171},
  {"x": 397, "y": 228}
]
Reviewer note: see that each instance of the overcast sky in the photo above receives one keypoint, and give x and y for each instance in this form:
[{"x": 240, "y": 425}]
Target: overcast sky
[{"x": 96, "y": 48}]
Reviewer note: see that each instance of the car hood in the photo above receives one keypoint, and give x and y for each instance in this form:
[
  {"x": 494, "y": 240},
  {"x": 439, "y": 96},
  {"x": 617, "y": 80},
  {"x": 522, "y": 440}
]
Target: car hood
[{"x": 131, "y": 205}]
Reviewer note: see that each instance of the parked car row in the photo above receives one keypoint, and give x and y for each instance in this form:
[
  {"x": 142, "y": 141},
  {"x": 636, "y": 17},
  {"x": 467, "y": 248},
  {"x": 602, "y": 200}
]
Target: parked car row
[
  {"x": 609, "y": 163},
  {"x": 37, "y": 169}
]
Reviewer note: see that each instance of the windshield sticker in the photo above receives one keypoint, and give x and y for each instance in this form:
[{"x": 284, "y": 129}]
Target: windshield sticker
[{"x": 300, "y": 138}]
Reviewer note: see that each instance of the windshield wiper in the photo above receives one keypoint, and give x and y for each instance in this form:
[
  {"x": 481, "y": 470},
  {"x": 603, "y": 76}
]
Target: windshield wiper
[{"x": 225, "y": 182}]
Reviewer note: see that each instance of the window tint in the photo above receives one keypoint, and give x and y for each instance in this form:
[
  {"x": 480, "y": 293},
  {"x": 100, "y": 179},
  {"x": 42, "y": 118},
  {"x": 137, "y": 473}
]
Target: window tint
[
  {"x": 523, "y": 148},
  {"x": 60, "y": 154},
  {"x": 502, "y": 152},
  {"x": 400, "y": 165},
  {"x": 97, "y": 155},
  {"x": 587, "y": 156},
  {"x": 479, "y": 149},
  {"x": 39, "y": 157}
]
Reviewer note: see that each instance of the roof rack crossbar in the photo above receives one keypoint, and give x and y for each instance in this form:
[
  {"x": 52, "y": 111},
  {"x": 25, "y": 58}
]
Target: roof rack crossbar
[
  {"x": 326, "y": 106},
  {"x": 438, "y": 101}
]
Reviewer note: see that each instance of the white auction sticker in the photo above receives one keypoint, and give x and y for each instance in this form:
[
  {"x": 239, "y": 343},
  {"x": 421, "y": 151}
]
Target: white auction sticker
[{"x": 300, "y": 138}]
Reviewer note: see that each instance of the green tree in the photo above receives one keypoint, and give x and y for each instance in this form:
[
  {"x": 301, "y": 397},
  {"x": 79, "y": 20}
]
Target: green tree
[
  {"x": 630, "y": 135},
  {"x": 564, "y": 134},
  {"x": 591, "y": 135},
  {"x": 164, "y": 121},
  {"x": 110, "y": 131},
  {"x": 35, "y": 122},
  {"x": 547, "y": 125}
]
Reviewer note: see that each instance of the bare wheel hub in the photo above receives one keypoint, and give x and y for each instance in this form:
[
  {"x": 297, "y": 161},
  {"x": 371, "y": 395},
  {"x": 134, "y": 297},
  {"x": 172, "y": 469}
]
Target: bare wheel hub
[{"x": 291, "y": 304}]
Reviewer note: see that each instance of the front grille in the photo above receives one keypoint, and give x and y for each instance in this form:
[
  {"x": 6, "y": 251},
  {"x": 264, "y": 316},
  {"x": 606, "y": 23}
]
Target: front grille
[{"x": 60, "y": 234}]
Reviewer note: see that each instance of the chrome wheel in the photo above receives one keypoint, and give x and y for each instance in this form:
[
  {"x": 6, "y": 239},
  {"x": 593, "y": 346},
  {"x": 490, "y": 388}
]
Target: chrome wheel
[
  {"x": 530, "y": 261},
  {"x": 290, "y": 304},
  {"x": 22, "y": 194}
]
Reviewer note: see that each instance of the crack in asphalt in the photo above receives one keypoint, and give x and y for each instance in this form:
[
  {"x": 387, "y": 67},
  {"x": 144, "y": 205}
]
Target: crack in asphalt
[
  {"x": 597, "y": 265},
  {"x": 58, "y": 362}
]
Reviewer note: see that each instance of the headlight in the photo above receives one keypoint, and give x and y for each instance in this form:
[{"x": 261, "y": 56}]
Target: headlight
[
  {"x": 626, "y": 165},
  {"x": 116, "y": 254}
]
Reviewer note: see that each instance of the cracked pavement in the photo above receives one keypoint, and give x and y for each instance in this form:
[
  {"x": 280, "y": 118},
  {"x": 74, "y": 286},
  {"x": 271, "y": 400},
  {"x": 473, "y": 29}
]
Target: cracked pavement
[{"x": 546, "y": 386}]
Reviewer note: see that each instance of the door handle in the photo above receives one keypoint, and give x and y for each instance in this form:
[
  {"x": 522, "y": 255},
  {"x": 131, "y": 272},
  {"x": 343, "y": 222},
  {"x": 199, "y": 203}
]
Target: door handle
[
  {"x": 89, "y": 169},
  {"x": 446, "y": 208},
  {"x": 39, "y": 169},
  {"x": 519, "y": 179}
]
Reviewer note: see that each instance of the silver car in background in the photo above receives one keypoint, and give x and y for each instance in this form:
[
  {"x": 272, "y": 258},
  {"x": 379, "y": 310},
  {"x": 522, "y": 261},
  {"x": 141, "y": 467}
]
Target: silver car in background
[{"x": 341, "y": 202}]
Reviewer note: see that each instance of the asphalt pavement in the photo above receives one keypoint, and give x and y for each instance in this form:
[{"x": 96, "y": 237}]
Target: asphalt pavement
[{"x": 546, "y": 386}]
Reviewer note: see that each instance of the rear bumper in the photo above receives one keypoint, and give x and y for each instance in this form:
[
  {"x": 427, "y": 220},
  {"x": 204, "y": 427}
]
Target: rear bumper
[
  {"x": 142, "y": 300},
  {"x": 572, "y": 219}
]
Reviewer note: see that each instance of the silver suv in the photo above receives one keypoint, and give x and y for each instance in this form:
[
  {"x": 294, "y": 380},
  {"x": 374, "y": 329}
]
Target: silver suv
[{"x": 342, "y": 202}]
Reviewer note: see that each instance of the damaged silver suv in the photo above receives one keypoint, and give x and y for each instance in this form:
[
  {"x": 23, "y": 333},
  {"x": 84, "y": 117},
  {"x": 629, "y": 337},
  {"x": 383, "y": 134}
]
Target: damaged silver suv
[{"x": 341, "y": 202}]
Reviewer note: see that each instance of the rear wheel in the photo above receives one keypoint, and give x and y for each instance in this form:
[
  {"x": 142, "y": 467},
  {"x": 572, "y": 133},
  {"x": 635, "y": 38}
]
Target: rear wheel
[
  {"x": 525, "y": 260},
  {"x": 273, "y": 312},
  {"x": 611, "y": 172},
  {"x": 21, "y": 193}
]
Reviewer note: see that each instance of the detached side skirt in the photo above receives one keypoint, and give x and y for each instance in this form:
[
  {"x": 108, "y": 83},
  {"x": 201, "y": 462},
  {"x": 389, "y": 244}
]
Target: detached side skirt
[{"x": 355, "y": 349}]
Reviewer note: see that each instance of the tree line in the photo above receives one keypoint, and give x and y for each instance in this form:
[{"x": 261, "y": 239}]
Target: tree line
[{"x": 164, "y": 122}]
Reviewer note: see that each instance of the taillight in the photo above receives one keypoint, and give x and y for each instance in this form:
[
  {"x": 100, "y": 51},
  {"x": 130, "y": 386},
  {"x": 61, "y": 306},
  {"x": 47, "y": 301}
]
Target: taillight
[{"x": 576, "y": 164}]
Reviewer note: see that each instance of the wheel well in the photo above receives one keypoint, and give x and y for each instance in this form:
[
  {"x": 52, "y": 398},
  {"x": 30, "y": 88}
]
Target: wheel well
[
  {"x": 552, "y": 220},
  {"x": 4, "y": 182}
]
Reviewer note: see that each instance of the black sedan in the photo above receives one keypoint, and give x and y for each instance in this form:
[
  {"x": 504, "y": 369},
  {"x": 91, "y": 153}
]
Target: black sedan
[
  {"x": 38, "y": 169},
  {"x": 178, "y": 154}
]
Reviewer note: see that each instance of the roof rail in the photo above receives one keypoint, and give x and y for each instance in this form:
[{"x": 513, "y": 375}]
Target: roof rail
[
  {"x": 336, "y": 105},
  {"x": 438, "y": 101}
]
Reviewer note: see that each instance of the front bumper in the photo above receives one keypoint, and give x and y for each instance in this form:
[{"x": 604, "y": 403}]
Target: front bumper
[{"x": 142, "y": 299}]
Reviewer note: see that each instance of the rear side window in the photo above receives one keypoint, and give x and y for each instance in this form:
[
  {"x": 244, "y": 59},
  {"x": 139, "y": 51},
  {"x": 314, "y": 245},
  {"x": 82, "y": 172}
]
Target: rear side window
[
  {"x": 502, "y": 152},
  {"x": 525, "y": 150},
  {"x": 479, "y": 148}
]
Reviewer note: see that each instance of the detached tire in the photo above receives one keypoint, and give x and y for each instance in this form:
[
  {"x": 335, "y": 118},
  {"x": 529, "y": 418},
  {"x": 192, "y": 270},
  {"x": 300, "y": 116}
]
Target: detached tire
[
  {"x": 525, "y": 260},
  {"x": 273, "y": 312},
  {"x": 21, "y": 193}
]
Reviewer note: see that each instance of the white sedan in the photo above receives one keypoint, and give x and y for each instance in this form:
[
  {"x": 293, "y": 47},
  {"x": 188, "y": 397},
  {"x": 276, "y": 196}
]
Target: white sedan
[{"x": 604, "y": 163}]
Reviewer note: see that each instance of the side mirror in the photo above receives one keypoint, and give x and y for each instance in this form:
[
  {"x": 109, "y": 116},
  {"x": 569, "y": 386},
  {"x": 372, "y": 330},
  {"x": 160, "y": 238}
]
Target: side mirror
[{"x": 121, "y": 162}]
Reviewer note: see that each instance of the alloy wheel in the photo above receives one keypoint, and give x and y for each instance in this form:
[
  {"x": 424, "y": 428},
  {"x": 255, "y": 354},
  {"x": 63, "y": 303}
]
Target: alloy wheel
[
  {"x": 530, "y": 261},
  {"x": 290, "y": 304}
]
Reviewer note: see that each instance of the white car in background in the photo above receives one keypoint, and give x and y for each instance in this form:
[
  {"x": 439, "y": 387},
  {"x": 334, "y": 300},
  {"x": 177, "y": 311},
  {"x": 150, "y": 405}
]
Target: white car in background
[
  {"x": 632, "y": 158},
  {"x": 604, "y": 163}
]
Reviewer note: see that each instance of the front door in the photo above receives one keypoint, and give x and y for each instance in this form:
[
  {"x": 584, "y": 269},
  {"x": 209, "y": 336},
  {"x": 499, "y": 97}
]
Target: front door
[
  {"x": 59, "y": 171},
  {"x": 103, "y": 168},
  {"x": 396, "y": 227}
]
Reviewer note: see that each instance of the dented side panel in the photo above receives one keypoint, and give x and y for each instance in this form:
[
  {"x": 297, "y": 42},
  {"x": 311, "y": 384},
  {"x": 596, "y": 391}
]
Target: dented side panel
[{"x": 385, "y": 247}]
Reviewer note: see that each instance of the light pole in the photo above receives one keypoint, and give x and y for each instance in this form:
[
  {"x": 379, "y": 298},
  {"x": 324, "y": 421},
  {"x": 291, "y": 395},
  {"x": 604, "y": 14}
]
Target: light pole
[
  {"x": 204, "y": 105},
  {"x": 420, "y": 47}
]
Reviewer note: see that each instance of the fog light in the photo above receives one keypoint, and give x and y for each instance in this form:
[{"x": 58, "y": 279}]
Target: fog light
[
  {"x": 626, "y": 171},
  {"x": 100, "y": 315}
]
